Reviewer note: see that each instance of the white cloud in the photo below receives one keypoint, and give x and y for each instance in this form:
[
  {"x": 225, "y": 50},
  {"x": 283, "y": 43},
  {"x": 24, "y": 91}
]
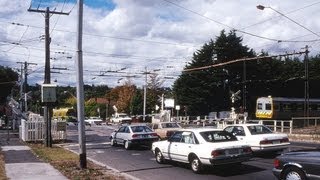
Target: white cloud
[{"x": 143, "y": 33}]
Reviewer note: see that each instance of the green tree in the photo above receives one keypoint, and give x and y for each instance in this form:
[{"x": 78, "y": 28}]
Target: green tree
[
  {"x": 8, "y": 79},
  {"x": 154, "y": 91},
  {"x": 202, "y": 91}
]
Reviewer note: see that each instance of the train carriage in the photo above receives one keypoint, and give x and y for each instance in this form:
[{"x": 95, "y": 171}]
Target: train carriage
[{"x": 285, "y": 108}]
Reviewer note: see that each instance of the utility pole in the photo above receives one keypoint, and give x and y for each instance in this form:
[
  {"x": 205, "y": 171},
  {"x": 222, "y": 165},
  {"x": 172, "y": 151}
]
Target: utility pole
[
  {"x": 244, "y": 88},
  {"x": 80, "y": 90},
  {"x": 47, "y": 77},
  {"x": 145, "y": 95},
  {"x": 24, "y": 83},
  {"x": 306, "y": 83}
]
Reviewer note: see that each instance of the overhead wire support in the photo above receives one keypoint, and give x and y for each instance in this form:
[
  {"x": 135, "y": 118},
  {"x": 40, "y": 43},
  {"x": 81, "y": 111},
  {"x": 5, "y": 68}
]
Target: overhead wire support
[
  {"x": 47, "y": 74},
  {"x": 243, "y": 59}
]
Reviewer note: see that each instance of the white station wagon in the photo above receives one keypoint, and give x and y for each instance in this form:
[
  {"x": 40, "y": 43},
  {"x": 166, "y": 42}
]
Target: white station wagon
[
  {"x": 259, "y": 137},
  {"x": 202, "y": 146}
]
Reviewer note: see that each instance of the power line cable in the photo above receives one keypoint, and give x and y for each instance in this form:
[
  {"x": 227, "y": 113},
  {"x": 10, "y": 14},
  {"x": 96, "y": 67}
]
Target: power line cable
[
  {"x": 240, "y": 60},
  {"x": 222, "y": 24},
  {"x": 295, "y": 10}
]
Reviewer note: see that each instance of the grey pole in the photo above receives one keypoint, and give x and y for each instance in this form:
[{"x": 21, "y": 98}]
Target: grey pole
[
  {"x": 80, "y": 91},
  {"x": 145, "y": 97},
  {"x": 47, "y": 79}
]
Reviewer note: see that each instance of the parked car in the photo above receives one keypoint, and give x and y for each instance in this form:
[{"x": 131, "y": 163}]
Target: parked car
[
  {"x": 131, "y": 135},
  {"x": 259, "y": 137},
  {"x": 165, "y": 129},
  {"x": 300, "y": 165},
  {"x": 120, "y": 118},
  {"x": 93, "y": 121},
  {"x": 202, "y": 146}
]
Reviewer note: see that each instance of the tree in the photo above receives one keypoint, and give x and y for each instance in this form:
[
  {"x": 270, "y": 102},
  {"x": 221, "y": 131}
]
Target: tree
[
  {"x": 208, "y": 90},
  {"x": 8, "y": 79},
  {"x": 154, "y": 91},
  {"x": 122, "y": 96}
]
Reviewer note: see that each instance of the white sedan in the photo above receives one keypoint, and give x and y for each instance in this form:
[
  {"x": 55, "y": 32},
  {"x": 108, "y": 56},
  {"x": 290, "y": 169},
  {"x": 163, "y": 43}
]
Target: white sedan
[
  {"x": 131, "y": 135},
  {"x": 259, "y": 137},
  {"x": 202, "y": 146}
]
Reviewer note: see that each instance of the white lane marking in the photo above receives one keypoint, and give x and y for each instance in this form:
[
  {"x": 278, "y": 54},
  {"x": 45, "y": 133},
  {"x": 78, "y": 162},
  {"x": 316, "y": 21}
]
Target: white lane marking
[
  {"x": 120, "y": 150},
  {"x": 135, "y": 154},
  {"x": 15, "y": 148}
]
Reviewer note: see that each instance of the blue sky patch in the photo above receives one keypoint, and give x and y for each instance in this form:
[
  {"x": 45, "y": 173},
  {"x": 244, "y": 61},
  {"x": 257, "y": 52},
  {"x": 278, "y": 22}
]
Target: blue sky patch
[{"x": 62, "y": 4}]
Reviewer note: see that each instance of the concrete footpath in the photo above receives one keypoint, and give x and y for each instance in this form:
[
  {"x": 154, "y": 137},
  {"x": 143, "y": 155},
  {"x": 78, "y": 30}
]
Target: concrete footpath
[{"x": 21, "y": 163}]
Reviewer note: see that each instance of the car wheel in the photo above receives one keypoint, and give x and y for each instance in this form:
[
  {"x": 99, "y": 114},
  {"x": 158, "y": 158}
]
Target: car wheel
[
  {"x": 159, "y": 157},
  {"x": 113, "y": 142},
  {"x": 127, "y": 145},
  {"x": 196, "y": 165},
  {"x": 293, "y": 173}
]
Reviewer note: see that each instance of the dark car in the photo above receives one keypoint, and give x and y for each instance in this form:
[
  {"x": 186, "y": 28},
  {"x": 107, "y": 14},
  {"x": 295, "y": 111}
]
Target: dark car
[{"x": 299, "y": 165}]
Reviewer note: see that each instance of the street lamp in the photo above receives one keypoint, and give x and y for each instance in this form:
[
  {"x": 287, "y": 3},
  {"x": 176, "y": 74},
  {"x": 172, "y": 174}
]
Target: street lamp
[{"x": 261, "y": 7}]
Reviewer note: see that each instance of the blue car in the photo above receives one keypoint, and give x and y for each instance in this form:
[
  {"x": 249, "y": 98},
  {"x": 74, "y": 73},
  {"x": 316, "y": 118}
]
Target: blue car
[{"x": 299, "y": 165}]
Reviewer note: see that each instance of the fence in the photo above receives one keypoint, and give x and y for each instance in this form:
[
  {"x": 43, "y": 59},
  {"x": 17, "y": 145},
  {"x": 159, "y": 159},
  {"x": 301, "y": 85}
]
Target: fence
[{"x": 35, "y": 130}]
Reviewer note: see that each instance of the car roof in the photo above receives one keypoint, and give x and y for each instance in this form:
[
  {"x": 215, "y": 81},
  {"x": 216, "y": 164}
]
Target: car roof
[
  {"x": 200, "y": 129},
  {"x": 247, "y": 124}
]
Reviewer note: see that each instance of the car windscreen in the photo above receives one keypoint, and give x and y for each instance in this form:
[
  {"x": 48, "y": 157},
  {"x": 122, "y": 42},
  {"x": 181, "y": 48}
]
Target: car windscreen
[
  {"x": 259, "y": 129},
  {"x": 140, "y": 129},
  {"x": 217, "y": 136}
]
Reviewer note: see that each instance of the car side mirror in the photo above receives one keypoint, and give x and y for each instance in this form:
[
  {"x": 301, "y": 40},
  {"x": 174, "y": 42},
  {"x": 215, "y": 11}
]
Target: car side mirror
[{"x": 115, "y": 130}]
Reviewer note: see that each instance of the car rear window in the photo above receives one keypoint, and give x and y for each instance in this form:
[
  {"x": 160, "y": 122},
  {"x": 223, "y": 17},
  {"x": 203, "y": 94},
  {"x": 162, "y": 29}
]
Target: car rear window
[
  {"x": 170, "y": 125},
  {"x": 140, "y": 129},
  {"x": 259, "y": 129},
  {"x": 218, "y": 136}
]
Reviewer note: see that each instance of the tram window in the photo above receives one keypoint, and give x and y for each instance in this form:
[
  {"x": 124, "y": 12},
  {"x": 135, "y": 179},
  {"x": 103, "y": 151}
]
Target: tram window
[
  {"x": 300, "y": 107},
  {"x": 268, "y": 106},
  {"x": 286, "y": 107},
  {"x": 294, "y": 107},
  {"x": 260, "y": 106},
  {"x": 313, "y": 107}
]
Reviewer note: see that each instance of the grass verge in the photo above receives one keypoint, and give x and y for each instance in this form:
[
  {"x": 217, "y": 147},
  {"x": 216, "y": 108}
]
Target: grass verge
[
  {"x": 2, "y": 167},
  {"x": 68, "y": 164}
]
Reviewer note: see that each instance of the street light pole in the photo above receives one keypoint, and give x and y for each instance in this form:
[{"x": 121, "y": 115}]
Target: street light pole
[{"x": 80, "y": 90}]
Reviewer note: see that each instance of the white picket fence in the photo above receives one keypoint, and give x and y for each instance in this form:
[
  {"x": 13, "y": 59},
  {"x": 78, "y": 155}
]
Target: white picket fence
[{"x": 34, "y": 130}]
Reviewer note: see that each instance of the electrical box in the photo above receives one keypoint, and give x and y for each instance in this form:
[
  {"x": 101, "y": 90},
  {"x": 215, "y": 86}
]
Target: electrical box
[{"x": 48, "y": 93}]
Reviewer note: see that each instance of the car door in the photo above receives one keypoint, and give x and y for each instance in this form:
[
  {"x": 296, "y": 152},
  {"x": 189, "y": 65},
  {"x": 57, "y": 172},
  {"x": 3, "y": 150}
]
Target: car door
[
  {"x": 120, "y": 135},
  {"x": 185, "y": 146},
  {"x": 312, "y": 165},
  {"x": 172, "y": 148}
]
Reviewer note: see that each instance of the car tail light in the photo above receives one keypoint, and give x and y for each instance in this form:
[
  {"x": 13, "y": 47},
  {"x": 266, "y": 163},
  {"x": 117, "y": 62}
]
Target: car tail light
[
  {"x": 284, "y": 140},
  {"x": 265, "y": 141},
  {"x": 276, "y": 163},
  {"x": 247, "y": 150},
  {"x": 134, "y": 135},
  {"x": 216, "y": 153},
  {"x": 169, "y": 133},
  {"x": 154, "y": 134}
]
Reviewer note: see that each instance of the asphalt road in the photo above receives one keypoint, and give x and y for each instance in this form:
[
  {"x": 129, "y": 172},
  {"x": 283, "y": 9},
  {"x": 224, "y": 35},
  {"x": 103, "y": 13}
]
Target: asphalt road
[{"x": 140, "y": 163}]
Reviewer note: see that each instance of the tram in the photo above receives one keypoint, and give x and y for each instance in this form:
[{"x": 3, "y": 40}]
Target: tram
[{"x": 282, "y": 108}]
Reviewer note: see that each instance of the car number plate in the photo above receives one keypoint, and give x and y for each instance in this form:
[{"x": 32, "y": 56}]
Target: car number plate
[
  {"x": 233, "y": 151},
  {"x": 275, "y": 142}
]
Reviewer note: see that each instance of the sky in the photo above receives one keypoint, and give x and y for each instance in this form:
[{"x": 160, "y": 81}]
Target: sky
[{"x": 124, "y": 39}]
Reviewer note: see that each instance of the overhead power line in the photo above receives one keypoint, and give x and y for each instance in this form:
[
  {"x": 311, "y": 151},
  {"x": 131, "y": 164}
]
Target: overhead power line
[
  {"x": 240, "y": 60},
  {"x": 111, "y": 37},
  {"x": 230, "y": 27},
  {"x": 290, "y": 12}
]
